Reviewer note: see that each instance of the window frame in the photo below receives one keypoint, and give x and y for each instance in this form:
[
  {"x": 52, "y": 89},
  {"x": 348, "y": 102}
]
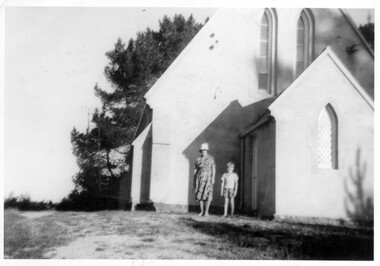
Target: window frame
[
  {"x": 341, "y": 135},
  {"x": 334, "y": 145},
  {"x": 270, "y": 57},
  {"x": 308, "y": 41}
]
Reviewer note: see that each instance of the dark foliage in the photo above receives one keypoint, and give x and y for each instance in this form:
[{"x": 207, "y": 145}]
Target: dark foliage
[
  {"x": 368, "y": 32},
  {"x": 85, "y": 201},
  {"x": 24, "y": 203}
]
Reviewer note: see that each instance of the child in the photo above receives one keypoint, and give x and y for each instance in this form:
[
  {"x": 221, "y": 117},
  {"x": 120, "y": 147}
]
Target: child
[{"x": 229, "y": 188}]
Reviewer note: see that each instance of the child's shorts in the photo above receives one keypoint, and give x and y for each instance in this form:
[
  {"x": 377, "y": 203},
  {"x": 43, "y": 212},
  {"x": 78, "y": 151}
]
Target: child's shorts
[{"x": 228, "y": 193}]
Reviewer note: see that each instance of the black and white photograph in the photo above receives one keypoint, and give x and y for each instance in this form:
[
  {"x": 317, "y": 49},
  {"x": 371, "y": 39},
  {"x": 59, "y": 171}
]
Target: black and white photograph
[{"x": 170, "y": 130}]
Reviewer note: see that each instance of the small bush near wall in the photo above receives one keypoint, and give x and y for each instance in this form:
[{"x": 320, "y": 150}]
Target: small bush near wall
[{"x": 84, "y": 201}]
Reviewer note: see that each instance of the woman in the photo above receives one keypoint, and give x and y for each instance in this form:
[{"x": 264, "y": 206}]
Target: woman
[{"x": 204, "y": 178}]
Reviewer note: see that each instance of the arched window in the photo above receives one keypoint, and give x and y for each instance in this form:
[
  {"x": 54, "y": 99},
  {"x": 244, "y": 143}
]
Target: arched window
[
  {"x": 267, "y": 51},
  {"x": 304, "y": 42},
  {"x": 328, "y": 139}
]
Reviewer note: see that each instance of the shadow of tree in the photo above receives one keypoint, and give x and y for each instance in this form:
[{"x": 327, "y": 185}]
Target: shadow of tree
[
  {"x": 359, "y": 206},
  {"x": 125, "y": 188},
  {"x": 289, "y": 241}
]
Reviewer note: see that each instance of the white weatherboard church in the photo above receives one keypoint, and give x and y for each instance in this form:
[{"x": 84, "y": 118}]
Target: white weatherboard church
[{"x": 287, "y": 94}]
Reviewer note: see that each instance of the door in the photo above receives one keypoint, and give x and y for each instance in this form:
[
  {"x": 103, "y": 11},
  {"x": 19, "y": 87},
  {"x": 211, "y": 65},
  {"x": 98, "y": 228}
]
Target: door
[
  {"x": 254, "y": 172},
  {"x": 250, "y": 174}
]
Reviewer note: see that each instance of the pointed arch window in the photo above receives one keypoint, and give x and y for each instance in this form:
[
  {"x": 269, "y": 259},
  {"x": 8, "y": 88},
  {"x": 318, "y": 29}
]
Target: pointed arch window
[
  {"x": 304, "y": 42},
  {"x": 267, "y": 51},
  {"x": 328, "y": 139}
]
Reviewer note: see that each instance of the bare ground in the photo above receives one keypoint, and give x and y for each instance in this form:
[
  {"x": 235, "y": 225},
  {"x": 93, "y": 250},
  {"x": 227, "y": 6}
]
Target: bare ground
[{"x": 150, "y": 235}]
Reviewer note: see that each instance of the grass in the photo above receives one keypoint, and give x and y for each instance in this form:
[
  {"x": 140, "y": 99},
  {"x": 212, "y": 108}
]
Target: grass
[
  {"x": 24, "y": 238},
  {"x": 150, "y": 235}
]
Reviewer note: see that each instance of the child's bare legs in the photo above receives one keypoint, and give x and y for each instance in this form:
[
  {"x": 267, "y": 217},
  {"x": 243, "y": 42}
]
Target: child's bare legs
[
  {"x": 225, "y": 207},
  {"x": 201, "y": 205},
  {"x": 207, "y": 206},
  {"x": 232, "y": 206}
]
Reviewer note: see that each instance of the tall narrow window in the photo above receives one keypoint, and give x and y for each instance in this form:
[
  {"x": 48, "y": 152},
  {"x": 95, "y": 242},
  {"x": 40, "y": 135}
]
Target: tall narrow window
[
  {"x": 263, "y": 54},
  {"x": 267, "y": 51},
  {"x": 304, "y": 42},
  {"x": 328, "y": 138},
  {"x": 300, "y": 60}
]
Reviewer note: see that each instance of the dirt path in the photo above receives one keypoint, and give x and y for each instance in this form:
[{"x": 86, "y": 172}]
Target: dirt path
[
  {"x": 93, "y": 247},
  {"x": 143, "y": 237},
  {"x": 33, "y": 215}
]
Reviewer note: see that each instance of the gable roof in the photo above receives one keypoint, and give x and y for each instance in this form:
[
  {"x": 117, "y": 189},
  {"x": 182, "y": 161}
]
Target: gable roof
[
  {"x": 328, "y": 52},
  {"x": 266, "y": 116},
  {"x": 180, "y": 57}
]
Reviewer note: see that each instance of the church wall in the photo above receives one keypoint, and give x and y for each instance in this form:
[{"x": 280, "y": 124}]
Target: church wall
[{"x": 303, "y": 189}]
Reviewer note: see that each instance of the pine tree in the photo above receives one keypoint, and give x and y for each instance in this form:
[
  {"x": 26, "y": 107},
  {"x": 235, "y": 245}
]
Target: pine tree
[
  {"x": 102, "y": 151},
  {"x": 368, "y": 31}
]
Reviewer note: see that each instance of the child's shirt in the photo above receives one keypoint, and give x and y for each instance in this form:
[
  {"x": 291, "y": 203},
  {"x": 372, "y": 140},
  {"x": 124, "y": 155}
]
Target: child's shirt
[{"x": 229, "y": 180}]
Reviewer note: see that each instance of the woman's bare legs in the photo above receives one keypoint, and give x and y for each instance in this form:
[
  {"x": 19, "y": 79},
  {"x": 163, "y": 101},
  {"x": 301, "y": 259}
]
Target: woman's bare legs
[
  {"x": 201, "y": 205},
  {"x": 207, "y": 207}
]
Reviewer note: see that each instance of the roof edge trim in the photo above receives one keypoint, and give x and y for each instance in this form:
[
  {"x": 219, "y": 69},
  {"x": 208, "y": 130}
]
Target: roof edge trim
[{"x": 327, "y": 52}]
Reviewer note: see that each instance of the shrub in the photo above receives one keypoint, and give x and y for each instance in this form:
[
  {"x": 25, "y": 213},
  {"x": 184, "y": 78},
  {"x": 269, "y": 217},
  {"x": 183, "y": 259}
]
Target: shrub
[
  {"x": 24, "y": 203},
  {"x": 86, "y": 201}
]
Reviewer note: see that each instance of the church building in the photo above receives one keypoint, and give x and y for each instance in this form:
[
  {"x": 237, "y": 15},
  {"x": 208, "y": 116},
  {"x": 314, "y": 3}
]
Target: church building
[{"x": 286, "y": 94}]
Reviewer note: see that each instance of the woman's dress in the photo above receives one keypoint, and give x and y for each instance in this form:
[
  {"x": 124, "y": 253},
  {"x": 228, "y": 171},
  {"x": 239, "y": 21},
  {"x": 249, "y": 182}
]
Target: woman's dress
[{"x": 204, "y": 167}]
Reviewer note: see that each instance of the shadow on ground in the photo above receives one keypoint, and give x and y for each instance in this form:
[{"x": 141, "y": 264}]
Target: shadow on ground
[{"x": 305, "y": 242}]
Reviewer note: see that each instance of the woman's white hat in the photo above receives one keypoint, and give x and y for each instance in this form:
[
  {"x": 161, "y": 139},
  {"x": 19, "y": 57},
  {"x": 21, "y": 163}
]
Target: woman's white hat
[{"x": 204, "y": 146}]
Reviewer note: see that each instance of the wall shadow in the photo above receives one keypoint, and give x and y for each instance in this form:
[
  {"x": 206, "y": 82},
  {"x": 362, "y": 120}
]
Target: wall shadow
[
  {"x": 146, "y": 169},
  {"x": 358, "y": 205},
  {"x": 222, "y": 134},
  {"x": 125, "y": 188},
  {"x": 280, "y": 241}
]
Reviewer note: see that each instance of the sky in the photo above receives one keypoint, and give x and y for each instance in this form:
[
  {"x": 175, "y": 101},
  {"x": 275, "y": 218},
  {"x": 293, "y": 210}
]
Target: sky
[{"x": 53, "y": 58}]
